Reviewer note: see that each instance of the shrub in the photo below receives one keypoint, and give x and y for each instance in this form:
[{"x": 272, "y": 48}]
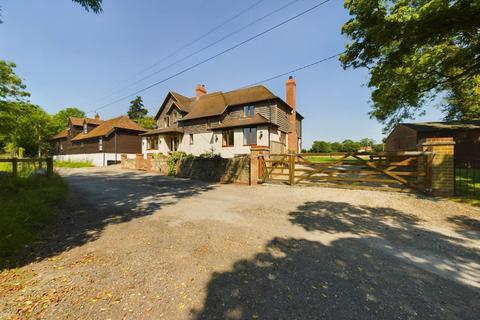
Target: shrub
[
  {"x": 210, "y": 154},
  {"x": 173, "y": 159}
]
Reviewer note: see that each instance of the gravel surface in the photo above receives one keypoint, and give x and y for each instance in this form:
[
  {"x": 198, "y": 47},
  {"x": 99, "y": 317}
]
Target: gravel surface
[{"x": 132, "y": 245}]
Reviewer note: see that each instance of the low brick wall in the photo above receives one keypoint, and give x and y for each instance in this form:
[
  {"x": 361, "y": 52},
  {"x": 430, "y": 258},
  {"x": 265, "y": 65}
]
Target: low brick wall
[{"x": 216, "y": 169}]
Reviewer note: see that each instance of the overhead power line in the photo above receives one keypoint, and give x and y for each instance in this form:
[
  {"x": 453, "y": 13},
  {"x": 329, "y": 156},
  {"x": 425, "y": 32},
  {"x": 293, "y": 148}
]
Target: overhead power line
[
  {"x": 207, "y": 46},
  {"x": 183, "y": 47},
  {"x": 214, "y": 56},
  {"x": 295, "y": 70}
]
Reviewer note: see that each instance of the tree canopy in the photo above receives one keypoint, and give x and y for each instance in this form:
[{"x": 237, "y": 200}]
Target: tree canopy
[
  {"x": 138, "y": 113},
  {"x": 345, "y": 146},
  {"x": 415, "y": 51},
  {"x": 60, "y": 119},
  {"x": 94, "y": 5}
]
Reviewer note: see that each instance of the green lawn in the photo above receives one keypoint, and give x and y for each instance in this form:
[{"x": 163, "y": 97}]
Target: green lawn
[
  {"x": 467, "y": 182},
  {"x": 72, "y": 164},
  {"x": 27, "y": 204}
]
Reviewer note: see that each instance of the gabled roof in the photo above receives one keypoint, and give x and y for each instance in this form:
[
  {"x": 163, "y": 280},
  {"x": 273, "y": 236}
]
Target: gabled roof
[
  {"x": 215, "y": 103},
  {"x": 108, "y": 126},
  {"x": 243, "y": 122},
  {"x": 79, "y": 121},
  {"x": 62, "y": 134},
  {"x": 442, "y": 126}
]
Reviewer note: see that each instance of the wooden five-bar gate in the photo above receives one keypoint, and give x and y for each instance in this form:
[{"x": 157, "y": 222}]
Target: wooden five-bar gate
[{"x": 398, "y": 171}]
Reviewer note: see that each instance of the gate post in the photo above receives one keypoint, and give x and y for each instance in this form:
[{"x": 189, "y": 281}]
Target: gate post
[
  {"x": 124, "y": 161},
  {"x": 255, "y": 152},
  {"x": 440, "y": 172},
  {"x": 291, "y": 168},
  {"x": 139, "y": 161}
]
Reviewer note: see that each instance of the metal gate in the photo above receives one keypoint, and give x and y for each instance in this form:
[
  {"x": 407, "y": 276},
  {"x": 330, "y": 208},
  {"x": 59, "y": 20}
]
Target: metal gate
[{"x": 408, "y": 170}]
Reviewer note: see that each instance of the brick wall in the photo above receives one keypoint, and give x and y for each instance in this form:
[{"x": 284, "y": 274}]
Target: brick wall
[{"x": 441, "y": 164}]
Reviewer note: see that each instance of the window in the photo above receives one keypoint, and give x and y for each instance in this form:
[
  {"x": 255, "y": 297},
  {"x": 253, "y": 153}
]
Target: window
[
  {"x": 191, "y": 138},
  {"x": 85, "y": 128},
  {"x": 283, "y": 138},
  {"x": 228, "y": 138},
  {"x": 166, "y": 122},
  {"x": 250, "y": 136},
  {"x": 248, "y": 111},
  {"x": 174, "y": 116},
  {"x": 61, "y": 146},
  {"x": 100, "y": 144},
  {"x": 152, "y": 143}
]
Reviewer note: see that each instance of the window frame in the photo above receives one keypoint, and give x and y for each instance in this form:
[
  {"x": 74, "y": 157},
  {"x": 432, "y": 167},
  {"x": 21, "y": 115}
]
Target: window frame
[
  {"x": 226, "y": 135},
  {"x": 153, "y": 139},
  {"x": 100, "y": 144},
  {"x": 85, "y": 128},
  {"x": 166, "y": 122},
  {"x": 250, "y": 136},
  {"x": 248, "y": 111},
  {"x": 191, "y": 138}
]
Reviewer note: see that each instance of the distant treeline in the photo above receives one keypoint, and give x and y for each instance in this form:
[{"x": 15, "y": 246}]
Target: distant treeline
[{"x": 346, "y": 146}]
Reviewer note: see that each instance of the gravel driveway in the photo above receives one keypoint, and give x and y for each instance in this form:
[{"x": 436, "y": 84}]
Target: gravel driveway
[{"x": 135, "y": 245}]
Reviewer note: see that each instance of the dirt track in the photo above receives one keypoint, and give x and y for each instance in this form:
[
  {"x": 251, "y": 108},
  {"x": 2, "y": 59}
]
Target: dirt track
[{"x": 142, "y": 246}]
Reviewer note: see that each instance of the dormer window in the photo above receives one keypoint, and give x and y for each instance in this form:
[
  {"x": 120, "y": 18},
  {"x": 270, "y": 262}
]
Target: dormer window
[
  {"x": 166, "y": 122},
  {"x": 248, "y": 111},
  {"x": 174, "y": 116},
  {"x": 85, "y": 128}
]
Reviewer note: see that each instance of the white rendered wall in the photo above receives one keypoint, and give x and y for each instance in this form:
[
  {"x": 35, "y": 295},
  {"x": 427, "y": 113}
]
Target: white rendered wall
[{"x": 97, "y": 159}]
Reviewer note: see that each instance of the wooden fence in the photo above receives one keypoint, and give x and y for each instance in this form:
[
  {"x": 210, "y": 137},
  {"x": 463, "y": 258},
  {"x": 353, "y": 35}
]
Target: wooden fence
[
  {"x": 36, "y": 162},
  {"x": 407, "y": 170}
]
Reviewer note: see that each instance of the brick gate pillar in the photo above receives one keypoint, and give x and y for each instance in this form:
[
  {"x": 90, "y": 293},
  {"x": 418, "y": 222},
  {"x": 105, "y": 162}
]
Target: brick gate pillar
[
  {"x": 149, "y": 163},
  {"x": 255, "y": 169},
  {"x": 124, "y": 161},
  {"x": 441, "y": 171},
  {"x": 139, "y": 161}
]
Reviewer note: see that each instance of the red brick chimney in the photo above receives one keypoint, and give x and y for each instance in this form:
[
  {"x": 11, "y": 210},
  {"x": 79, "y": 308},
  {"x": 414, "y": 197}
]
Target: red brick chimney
[
  {"x": 292, "y": 102},
  {"x": 201, "y": 90},
  {"x": 97, "y": 116}
]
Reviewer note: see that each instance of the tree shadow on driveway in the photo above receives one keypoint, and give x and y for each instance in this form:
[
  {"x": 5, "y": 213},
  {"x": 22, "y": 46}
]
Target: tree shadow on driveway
[
  {"x": 99, "y": 199},
  {"x": 369, "y": 269}
]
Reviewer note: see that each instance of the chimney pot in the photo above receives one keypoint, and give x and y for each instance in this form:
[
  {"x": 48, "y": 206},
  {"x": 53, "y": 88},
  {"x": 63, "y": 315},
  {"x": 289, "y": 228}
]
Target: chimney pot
[
  {"x": 200, "y": 90},
  {"x": 97, "y": 116}
]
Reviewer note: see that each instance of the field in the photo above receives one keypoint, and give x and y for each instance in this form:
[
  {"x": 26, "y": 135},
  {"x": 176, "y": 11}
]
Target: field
[
  {"x": 333, "y": 158},
  {"x": 467, "y": 182},
  {"x": 27, "y": 204}
]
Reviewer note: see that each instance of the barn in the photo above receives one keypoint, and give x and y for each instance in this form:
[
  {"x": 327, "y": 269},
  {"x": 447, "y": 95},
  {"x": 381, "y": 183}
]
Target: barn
[{"x": 466, "y": 134}]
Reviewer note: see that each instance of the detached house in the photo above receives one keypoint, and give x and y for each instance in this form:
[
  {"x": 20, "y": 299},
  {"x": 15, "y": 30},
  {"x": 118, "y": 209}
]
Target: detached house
[
  {"x": 100, "y": 142},
  {"x": 228, "y": 123}
]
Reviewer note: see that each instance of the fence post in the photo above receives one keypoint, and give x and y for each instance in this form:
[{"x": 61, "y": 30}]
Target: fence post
[
  {"x": 139, "y": 161},
  {"x": 291, "y": 169},
  {"x": 14, "y": 167},
  {"x": 49, "y": 166}
]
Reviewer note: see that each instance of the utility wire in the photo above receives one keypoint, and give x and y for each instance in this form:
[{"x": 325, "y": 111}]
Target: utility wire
[
  {"x": 208, "y": 46},
  {"x": 214, "y": 56},
  {"x": 295, "y": 70},
  {"x": 180, "y": 49}
]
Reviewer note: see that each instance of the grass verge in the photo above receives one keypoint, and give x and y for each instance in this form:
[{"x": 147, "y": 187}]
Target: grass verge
[
  {"x": 27, "y": 204},
  {"x": 72, "y": 164}
]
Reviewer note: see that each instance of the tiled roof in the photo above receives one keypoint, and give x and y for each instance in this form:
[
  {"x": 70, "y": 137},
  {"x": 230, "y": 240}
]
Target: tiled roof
[
  {"x": 243, "y": 122},
  {"x": 106, "y": 127},
  {"x": 162, "y": 130},
  {"x": 60, "y": 135},
  {"x": 440, "y": 126},
  {"x": 215, "y": 103},
  {"x": 79, "y": 121}
]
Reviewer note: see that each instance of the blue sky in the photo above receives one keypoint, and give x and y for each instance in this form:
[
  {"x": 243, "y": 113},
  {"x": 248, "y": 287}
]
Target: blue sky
[{"x": 69, "y": 57}]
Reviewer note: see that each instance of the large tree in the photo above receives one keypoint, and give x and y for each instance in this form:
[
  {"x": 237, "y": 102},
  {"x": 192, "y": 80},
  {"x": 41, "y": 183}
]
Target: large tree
[
  {"x": 416, "y": 50},
  {"x": 12, "y": 96},
  {"x": 136, "y": 110}
]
